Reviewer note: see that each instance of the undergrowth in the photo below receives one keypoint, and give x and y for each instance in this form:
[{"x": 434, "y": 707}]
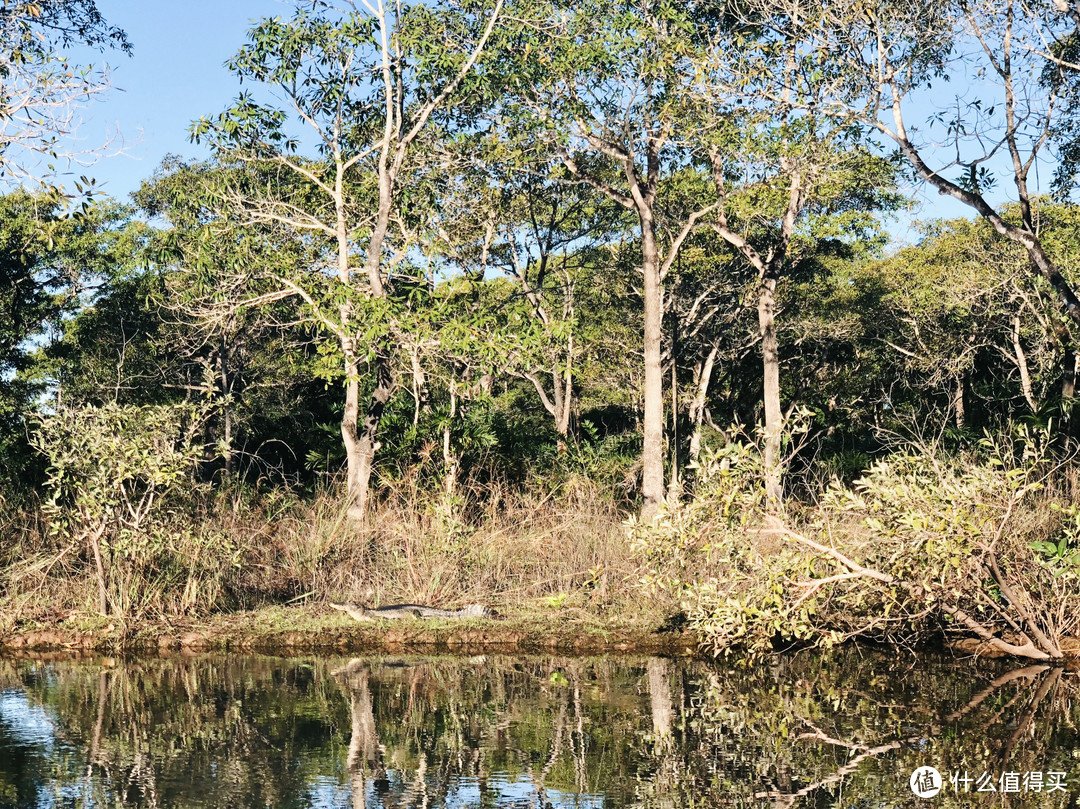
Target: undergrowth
[
  {"x": 983, "y": 543},
  {"x": 229, "y": 549}
]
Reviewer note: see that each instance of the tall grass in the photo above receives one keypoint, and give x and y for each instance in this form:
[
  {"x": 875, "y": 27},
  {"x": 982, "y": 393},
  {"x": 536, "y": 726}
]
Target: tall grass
[{"x": 235, "y": 549}]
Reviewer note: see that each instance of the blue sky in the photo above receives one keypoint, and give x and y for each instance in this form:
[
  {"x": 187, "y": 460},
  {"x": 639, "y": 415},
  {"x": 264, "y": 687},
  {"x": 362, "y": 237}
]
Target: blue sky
[{"x": 175, "y": 76}]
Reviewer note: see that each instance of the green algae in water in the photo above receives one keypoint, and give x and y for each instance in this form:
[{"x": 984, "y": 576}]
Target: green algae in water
[{"x": 844, "y": 730}]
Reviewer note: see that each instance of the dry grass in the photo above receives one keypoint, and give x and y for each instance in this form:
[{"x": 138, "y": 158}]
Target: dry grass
[
  {"x": 509, "y": 547},
  {"x": 486, "y": 543}
]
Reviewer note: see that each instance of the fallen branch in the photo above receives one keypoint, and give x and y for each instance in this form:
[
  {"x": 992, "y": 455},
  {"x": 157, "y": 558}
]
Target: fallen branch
[
  {"x": 1020, "y": 607},
  {"x": 1045, "y": 649}
]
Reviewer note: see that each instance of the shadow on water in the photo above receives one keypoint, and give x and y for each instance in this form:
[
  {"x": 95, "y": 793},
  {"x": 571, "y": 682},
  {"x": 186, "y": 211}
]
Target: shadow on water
[{"x": 841, "y": 730}]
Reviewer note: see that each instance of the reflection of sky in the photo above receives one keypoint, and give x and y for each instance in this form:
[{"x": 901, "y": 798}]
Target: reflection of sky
[
  {"x": 29, "y": 736},
  {"x": 523, "y": 793},
  {"x": 509, "y": 793},
  {"x": 25, "y": 725},
  {"x": 28, "y": 728},
  {"x": 328, "y": 793},
  {"x": 465, "y": 792}
]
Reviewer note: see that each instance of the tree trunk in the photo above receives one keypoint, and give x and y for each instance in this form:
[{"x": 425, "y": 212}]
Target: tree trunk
[
  {"x": 226, "y": 390},
  {"x": 361, "y": 442},
  {"x": 652, "y": 450},
  {"x": 1070, "y": 365},
  {"x": 558, "y": 405},
  {"x": 675, "y": 481},
  {"x": 450, "y": 461},
  {"x": 564, "y": 400},
  {"x": 99, "y": 569},
  {"x": 774, "y": 417},
  {"x": 1021, "y": 363},
  {"x": 958, "y": 403},
  {"x": 350, "y": 436},
  {"x": 697, "y": 406},
  {"x": 1068, "y": 382}
]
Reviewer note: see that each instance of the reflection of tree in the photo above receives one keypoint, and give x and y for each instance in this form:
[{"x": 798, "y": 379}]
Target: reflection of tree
[
  {"x": 663, "y": 715},
  {"x": 808, "y": 731},
  {"x": 660, "y": 698},
  {"x": 364, "y": 754},
  {"x": 1044, "y": 676},
  {"x": 172, "y": 732},
  {"x": 815, "y": 742},
  {"x": 445, "y": 727}
]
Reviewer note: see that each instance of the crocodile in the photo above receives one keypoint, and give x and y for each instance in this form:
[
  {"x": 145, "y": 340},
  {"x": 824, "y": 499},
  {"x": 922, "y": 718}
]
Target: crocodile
[{"x": 394, "y": 612}]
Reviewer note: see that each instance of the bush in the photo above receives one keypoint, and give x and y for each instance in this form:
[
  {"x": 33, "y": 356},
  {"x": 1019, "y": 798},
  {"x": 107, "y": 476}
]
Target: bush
[
  {"x": 112, "y": 473},
  {"x": 921, "y": 544}
]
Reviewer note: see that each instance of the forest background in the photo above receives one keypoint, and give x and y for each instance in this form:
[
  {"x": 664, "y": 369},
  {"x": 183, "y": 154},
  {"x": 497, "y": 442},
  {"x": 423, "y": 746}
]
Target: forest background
[{"x": 583, "y": 306}]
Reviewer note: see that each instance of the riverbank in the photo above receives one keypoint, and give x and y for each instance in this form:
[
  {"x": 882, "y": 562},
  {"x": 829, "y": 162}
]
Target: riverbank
[
  {"x": 304, "y": 629},
  {"x": 923, "y": 552},
  {"x": 291, "y": 630},
  {"x": 312, "y": 628}
]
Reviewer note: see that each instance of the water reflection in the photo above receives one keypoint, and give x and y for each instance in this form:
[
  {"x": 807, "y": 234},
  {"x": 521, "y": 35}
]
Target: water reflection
[{"x": 844, "y": 730}]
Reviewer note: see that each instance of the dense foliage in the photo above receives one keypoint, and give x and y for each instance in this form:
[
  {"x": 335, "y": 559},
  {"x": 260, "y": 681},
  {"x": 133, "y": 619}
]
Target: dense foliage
[{"x": 461, "y": 261}]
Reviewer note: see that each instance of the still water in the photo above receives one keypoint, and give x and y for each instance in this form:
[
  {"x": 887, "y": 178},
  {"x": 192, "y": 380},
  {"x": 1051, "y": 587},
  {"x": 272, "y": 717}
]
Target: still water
[{"x": 843, "y": 730}]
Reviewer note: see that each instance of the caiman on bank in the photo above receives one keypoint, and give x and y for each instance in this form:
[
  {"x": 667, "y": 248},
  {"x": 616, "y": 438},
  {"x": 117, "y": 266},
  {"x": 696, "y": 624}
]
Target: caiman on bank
[{"x": 394, "y": 612}]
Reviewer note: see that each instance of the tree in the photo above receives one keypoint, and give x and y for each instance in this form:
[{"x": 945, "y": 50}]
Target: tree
[
  {"x": 889, "y": 61},
  {"x": 542, "y": 229},
  {"x": 364, "y": 84},
  {"x": 108, "y": 469},
  {"x": 646, "y": 114},
  {"x": 965, "y": 325},
  {"x": 42, "y": 89},
  {"x": 252, "y": 362},
  {"x": 772, "y": 167},
  {"x": 48, "y": 261},
  {"x": 601, "y": 89}
]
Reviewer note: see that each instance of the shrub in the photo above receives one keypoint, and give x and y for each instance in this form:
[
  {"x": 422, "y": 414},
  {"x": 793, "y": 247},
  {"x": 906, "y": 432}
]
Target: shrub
[
  {"x": 922, "y": 544},
  {"x": 112, "y": 470}
]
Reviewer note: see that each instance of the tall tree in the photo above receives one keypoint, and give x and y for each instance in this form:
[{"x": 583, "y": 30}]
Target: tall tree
[
  {"x": 888, "y": 62},
  {"x": 781, "y": 162},
  {"x": 783, "y": 176},
  {"x": 248, "y": 361},
  {"x": 48, "y": 261},
  {"x": 540, "y": 227},
  {"x": 601, "y": 87},
  {"x": 364, "y": 82}
]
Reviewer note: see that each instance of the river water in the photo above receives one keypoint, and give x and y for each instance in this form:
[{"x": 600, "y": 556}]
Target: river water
[{"x": 846, "y": 729}]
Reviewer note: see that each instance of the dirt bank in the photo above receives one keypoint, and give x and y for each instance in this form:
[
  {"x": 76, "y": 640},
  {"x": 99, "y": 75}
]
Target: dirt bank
[
  {"x": 284, "y": 630},
  {"x": 315, "y": 628}
]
